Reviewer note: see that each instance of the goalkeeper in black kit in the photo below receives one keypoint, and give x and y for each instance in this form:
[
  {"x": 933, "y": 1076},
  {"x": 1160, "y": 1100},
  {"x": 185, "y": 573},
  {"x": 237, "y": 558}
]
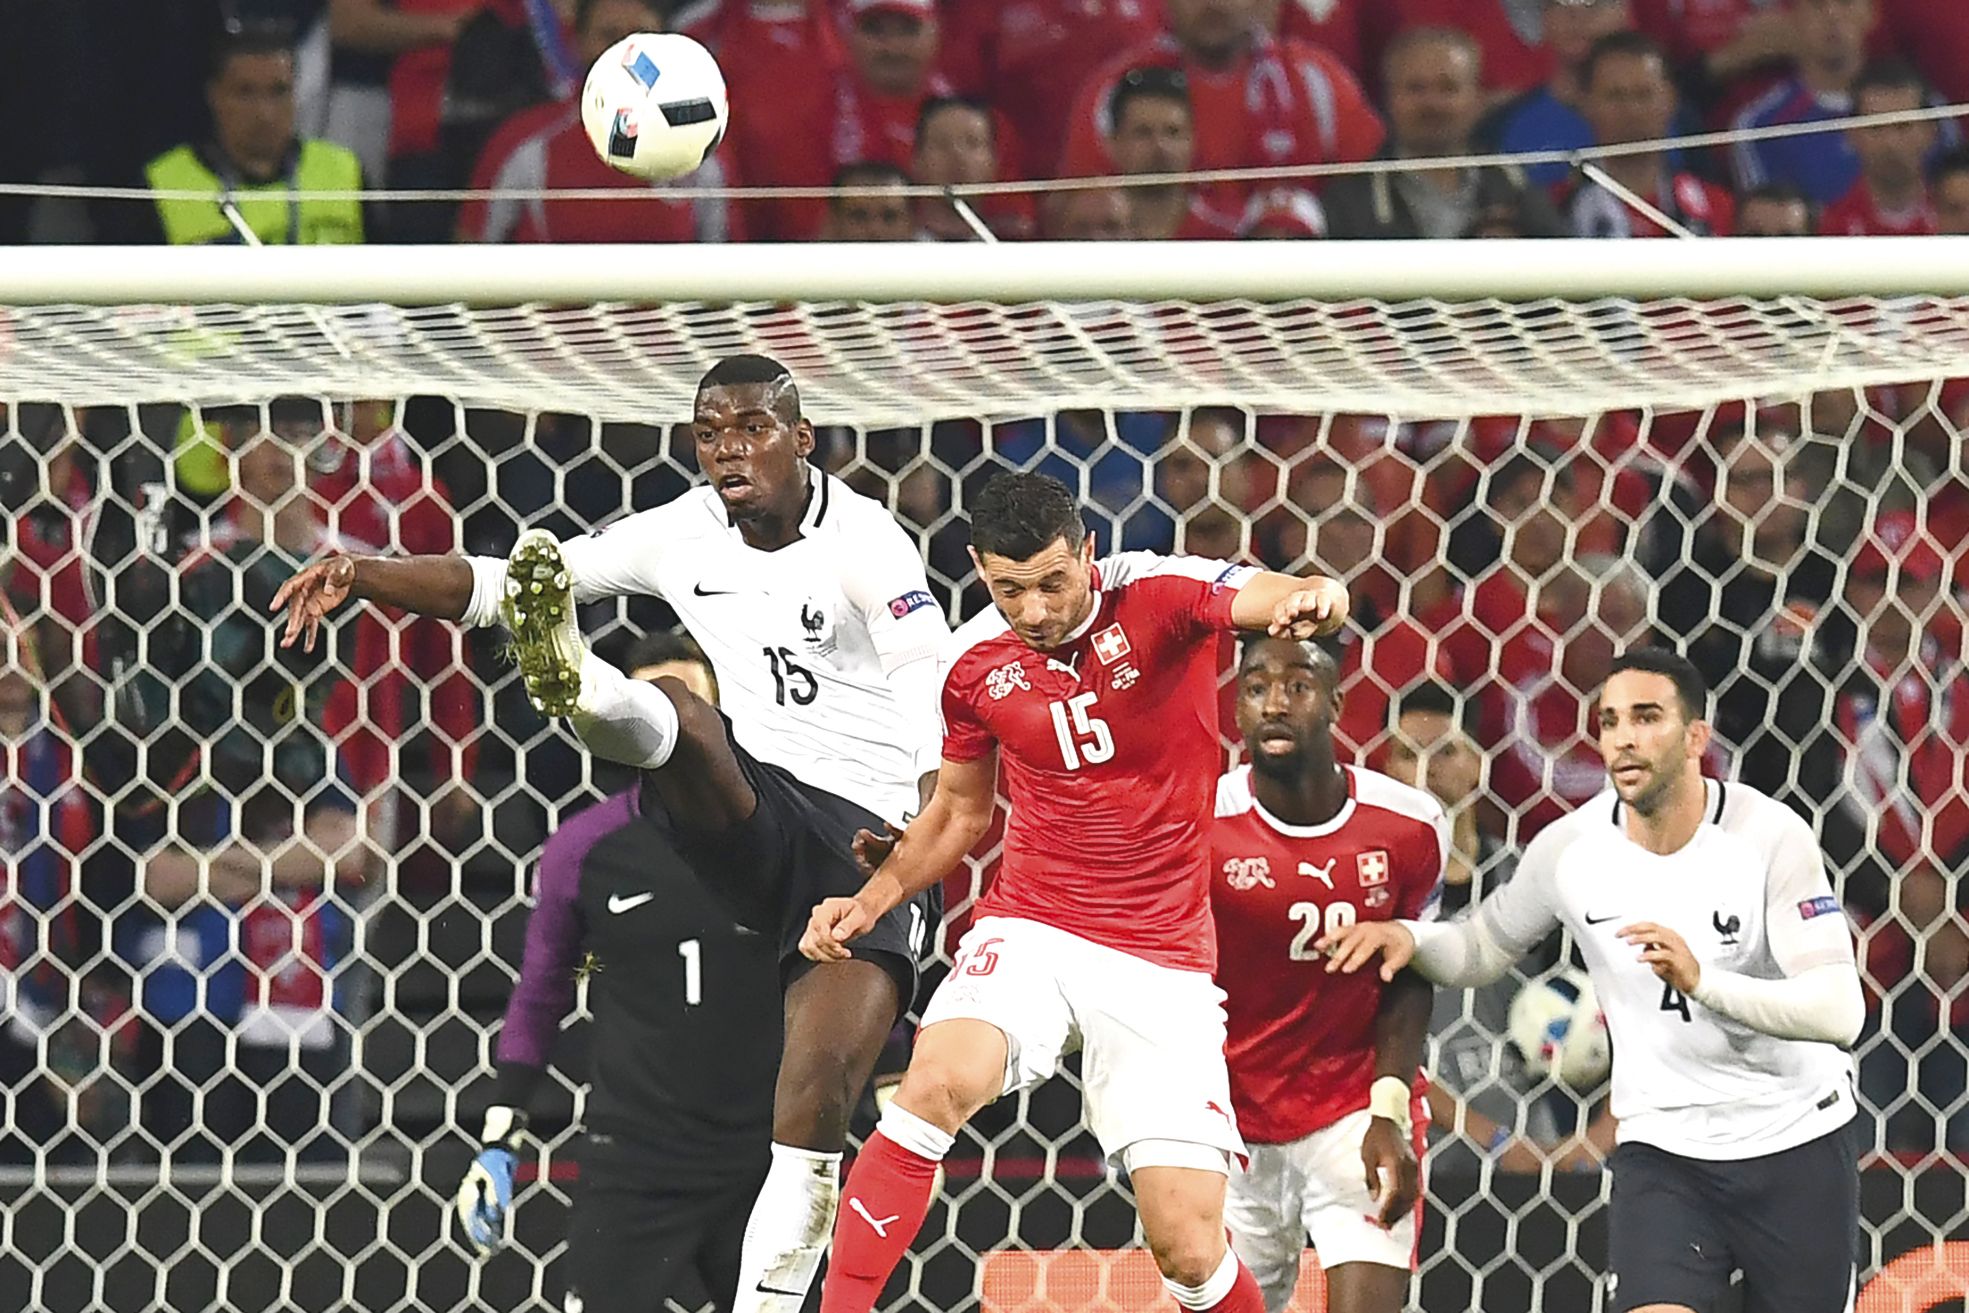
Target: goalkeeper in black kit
[{"x": 685, "y": 1049}]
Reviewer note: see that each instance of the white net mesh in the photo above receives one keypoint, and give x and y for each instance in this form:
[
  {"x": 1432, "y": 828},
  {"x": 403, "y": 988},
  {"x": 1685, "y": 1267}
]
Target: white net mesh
[{"x": 260, "y": 1091}]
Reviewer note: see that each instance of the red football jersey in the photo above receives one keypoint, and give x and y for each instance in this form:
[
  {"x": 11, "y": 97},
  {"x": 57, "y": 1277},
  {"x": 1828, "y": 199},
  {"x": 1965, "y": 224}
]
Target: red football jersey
[
  {"x": 1108, "y": 750},
  {"x": 1301, "y": 1042},
  {"x": 1857, "y": 214}
]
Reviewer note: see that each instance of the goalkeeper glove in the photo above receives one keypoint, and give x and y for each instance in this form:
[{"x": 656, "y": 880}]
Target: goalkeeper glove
[{"x": 485, "y": 1198}]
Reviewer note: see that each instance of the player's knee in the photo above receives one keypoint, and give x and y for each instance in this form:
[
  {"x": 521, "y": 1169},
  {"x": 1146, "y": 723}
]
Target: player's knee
[
  {"x": 698, "y": 722},
  {"x": 943, "y": 1095},
  {"x": 816, "y": 1099},
  {"x": 1190, "y": 1256}
]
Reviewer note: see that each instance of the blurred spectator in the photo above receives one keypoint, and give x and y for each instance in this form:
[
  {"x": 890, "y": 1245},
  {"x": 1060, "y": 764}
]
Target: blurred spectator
[
  {"x": 1483, "y": 1104},
  {"x": 1891, "y": 197},
  {"x": 546, "y": 147},
  {"x": 870, "y": 205},
  {"x": 1198, "y": 470},
  {"x": 446, "y": 99},
  {"x": 892, "y": 49},
  {"x": 1347, "y": 29},
  {"x": 1948, "y": 192},
  {"x": 1257, "y": 99},
  {"x": 1282, "y": 214},
  {"x": 957, "y": 146},
  {"x": 1155, "y": 132},
  {"x": 788, "y": 54},
  {"x": 251, "y": 163},
  {"x": 237, "y": 969},
  {"x": 1629, "y": 99},
  {"x": 1935, "y": 37},
  {"x": 1551, "y": 117},
  {"x": 1434, "y": 98},
  {"x": 1089, "y": 214},
  {"x": 1775, "y": 209},
  {"x": 1747, "y": 600},
  {"x": 1029, "y": 58},
  {"x": 1831, "y": 50},
  {"x": 1714, "y": 44},
  {"x": 46, "y": 825},
  {"x": 368, "y": 36},
  {"x": 1505, "y": 32},
  {"x": 48, "y": 497}
]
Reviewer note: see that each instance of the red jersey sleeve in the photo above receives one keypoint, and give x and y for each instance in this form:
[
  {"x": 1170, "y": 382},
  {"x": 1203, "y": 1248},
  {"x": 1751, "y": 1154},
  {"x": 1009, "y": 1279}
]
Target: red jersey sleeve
[
  {"x": 965, "y": 737},
  {"x": 1198, "y": 590}
]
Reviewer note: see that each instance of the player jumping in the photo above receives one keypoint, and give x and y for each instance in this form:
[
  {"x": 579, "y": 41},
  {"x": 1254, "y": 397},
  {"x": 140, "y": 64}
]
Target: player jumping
[
  {"x": 1093, "y": 684},
  {"x": 813, "y": 607},
  {"x": 1726, "y": 969}
]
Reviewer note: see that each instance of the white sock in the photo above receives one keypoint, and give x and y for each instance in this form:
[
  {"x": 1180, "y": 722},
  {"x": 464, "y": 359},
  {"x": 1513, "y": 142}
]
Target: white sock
[
  {"x": 1211, "y": 1293},
  {"x": 788, "y": 1231},
  {"x": 902, "y": 1127},
  {"x": 622, "y": 719}
]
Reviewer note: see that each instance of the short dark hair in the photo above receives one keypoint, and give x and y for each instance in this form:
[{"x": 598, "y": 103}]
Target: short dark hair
[
  {"x": 662, "y": 646},
  {"x": 1435, "y": 698},
  {"x": 239, "y": 40},
  {"x": 1615, "y": 45},
  {"x": 585, "y": 9},
  {"x": 1691, "y": 689},
  {"x": 756, "y": 371},
  {"x": 936, "y": 105},
  {"x": 1150, "y": 83},
  {"x": 868, "y": 174},
  {"x": 1019, "y": 514},
  {"x": 1890, "y": 73},
  {"x": 1322, "y": 661}
]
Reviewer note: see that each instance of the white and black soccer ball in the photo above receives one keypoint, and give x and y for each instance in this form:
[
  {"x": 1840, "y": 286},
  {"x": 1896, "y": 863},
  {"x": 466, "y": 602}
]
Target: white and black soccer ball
[
  {"x": 654, "y": 105},
  {"x": 1558, "y": 1029}
]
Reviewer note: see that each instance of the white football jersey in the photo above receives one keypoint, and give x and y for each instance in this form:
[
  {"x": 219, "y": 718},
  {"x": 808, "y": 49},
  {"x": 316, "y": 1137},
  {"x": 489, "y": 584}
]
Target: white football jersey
[
  {"x": 825, "y": 650},
  {"x": 1749, "y": 893}
]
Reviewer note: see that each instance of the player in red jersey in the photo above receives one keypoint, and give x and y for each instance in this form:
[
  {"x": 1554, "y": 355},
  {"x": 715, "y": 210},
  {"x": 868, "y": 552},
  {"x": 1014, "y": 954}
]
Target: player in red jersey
[
  {"x": 1093, "y": 684},
  {"x": 1325, "y": 1082}
]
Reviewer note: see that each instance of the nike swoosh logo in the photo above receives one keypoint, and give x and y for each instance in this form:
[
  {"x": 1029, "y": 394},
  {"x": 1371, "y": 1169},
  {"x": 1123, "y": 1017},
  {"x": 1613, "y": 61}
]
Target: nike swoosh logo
[
  {"x": 702, "y": 591},
  {"x": 617, "y": 903},
  {"x": 1601, "y": 920}
]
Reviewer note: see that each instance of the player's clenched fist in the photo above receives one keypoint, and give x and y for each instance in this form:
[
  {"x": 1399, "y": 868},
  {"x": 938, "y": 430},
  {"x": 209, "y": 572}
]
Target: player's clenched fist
[
  {"x": 835, "y": 921},
  {"x": 1350, "y": 948},
  {"x": 1318, "y": 609},
  {"x": 310, "y": 595}
]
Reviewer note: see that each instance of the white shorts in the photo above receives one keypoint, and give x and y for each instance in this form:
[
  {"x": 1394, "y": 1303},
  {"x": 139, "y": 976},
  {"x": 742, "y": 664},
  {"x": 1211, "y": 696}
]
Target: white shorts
[
  {"x": 1151, "y": 1037},
  {"x": 1311, "y": 1187}
]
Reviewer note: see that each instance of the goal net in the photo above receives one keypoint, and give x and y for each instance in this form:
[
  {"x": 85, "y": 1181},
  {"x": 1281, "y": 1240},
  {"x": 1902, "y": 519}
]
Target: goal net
[{"x": 262, "y": 910}]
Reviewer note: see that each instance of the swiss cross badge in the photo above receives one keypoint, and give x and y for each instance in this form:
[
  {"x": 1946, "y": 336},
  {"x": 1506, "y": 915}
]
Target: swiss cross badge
[
  {"x": 1373, "y": 867},
  {"x": 1110, "y": 645}
]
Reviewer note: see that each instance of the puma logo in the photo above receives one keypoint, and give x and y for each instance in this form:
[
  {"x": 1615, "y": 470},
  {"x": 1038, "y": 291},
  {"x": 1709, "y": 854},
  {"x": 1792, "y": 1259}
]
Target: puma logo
[
  {"x": 1323, "y": 873},
  {"x": 881, "y": 1227}
]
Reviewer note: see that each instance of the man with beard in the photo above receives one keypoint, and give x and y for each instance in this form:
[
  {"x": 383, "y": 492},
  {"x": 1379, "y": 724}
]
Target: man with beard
[{"x": 1726, "y": 970}]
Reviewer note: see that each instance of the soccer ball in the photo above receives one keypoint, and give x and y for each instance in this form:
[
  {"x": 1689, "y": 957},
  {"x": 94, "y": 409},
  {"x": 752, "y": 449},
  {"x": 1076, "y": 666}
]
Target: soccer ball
[
  {"x": 654, "y": 105},
  {"x": 1557, "y": 1027}
]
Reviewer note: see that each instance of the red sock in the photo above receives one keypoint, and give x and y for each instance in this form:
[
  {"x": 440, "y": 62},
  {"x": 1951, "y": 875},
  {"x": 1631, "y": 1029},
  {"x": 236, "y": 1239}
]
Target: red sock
[
  {"x": 883, "y": 1204},
  {"x": 1244, "y": 1296}
]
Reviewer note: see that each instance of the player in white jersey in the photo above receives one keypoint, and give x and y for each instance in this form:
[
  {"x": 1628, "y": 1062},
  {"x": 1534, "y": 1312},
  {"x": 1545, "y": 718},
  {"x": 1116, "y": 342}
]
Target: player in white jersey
[
  {"x": 812, "y": 605},
  {"x": 1726, "y": 970}
]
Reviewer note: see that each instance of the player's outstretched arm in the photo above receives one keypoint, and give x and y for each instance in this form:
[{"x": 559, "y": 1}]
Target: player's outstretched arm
[
  {"x": 1286, "y": 606},
  {"x": 957, "y": 816},
  {"x": 439, "y": 586}
]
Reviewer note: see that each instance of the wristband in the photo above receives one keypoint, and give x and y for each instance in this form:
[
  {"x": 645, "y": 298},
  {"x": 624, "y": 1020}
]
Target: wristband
[{"x": 1388, "y": 1097}]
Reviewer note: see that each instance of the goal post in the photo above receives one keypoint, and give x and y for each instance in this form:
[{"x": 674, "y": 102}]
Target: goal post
[{"x": 1520, "y": 455}]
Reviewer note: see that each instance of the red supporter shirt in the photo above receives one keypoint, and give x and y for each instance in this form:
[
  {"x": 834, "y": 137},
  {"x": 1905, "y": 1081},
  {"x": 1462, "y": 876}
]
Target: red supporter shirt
[
  {"x": 1934, "y": 35},
  {"x": 1697, "y": 204},
  {"x": 417, "y": 78},
  {"x": 546, "y": 147},
  {"x": 1337, "y": 26},
  {"x": 1300, "y": 1042},
  {"x": 1856, "y": 214},
  {"x": 1285, "y": 102},
  {"x": 1690, "y": 29},
  {"x": 1108, "y": 751},
  {"x": 1510, "y": 62},
  {"x": 1029, "y": 57}
]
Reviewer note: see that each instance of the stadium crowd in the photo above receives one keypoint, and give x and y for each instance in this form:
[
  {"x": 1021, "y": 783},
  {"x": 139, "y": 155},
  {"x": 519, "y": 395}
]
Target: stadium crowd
[{"x": 1809, "y": 556}]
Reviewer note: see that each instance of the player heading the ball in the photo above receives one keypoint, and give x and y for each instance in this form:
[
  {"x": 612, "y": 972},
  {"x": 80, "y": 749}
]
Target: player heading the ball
[{"x": 1091, "y": 686}]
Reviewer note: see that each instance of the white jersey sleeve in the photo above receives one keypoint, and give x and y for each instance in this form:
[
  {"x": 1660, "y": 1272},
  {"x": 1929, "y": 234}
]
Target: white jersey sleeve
[
  {"x": 1513, "y": 919},
  {"x": 621, "y": 560},
  {"x": 1806, "y": 926},
  {"x": 884, "y": 582}
]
